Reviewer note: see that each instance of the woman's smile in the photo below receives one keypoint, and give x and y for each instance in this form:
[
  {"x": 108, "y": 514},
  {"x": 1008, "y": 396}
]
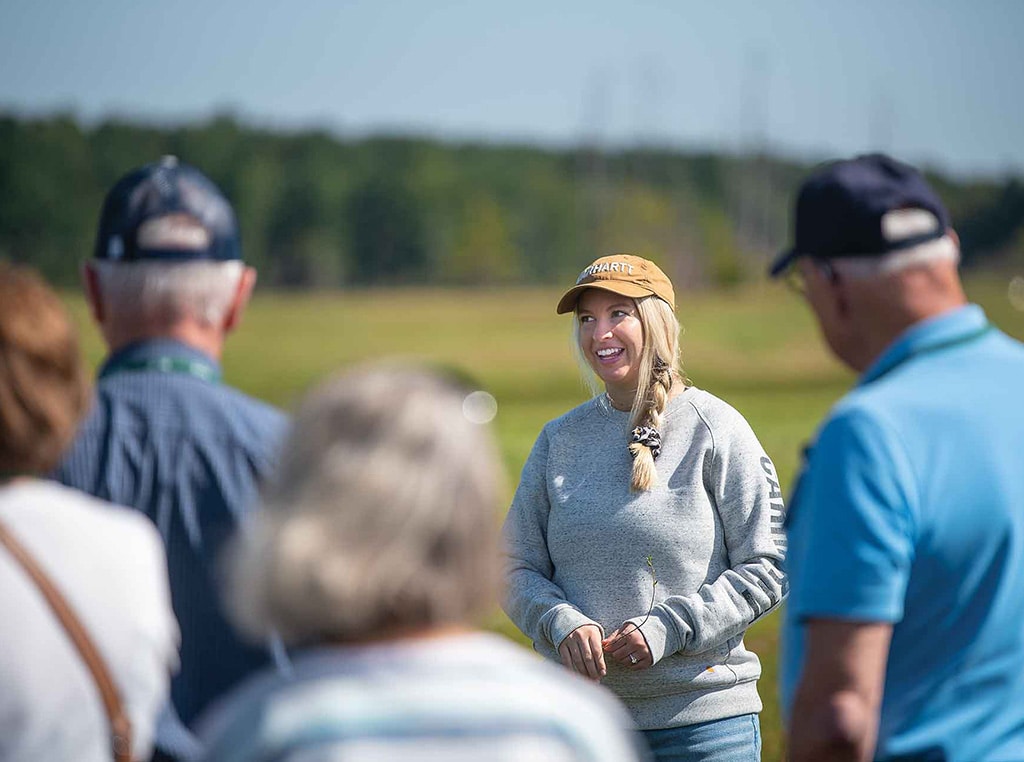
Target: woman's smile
[{"x": 611, "y": 338}]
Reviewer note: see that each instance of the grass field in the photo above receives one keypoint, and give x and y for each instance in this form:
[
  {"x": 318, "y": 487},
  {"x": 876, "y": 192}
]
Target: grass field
[{"x": 757, "y": 348}]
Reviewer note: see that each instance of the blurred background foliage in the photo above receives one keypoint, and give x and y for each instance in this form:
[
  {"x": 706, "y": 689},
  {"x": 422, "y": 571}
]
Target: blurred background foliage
[{"x": 318, "y": 211}]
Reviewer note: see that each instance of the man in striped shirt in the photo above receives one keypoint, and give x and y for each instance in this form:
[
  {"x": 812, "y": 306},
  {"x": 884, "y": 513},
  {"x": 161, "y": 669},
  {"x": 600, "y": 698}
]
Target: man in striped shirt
[{"x": 165, "y": 435}]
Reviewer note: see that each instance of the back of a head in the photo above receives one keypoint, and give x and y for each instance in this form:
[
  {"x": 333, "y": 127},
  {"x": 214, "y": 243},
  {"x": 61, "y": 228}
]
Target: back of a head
[
  {"x": 43, "y": 389},
  {"x": 882, "y": 255},
  {"x": 381, "y": 519},
  {"x": 167, "y": 245},
  {"x": 166, "y": 211},
  {"x": 869, "y": 215}
]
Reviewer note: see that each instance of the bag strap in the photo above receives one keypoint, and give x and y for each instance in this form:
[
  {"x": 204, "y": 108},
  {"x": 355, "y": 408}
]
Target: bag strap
[{"x": 120, "y": 725}]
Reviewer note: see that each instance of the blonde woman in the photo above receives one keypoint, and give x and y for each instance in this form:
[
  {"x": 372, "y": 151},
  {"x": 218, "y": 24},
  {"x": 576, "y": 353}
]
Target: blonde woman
[{"x": 646, "y": 532}]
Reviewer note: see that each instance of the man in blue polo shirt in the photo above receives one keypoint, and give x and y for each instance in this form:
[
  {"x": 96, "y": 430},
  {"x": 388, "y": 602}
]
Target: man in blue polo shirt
[
  {"x": 904, "y": 630},
  {"x": 165, "y": 435}
]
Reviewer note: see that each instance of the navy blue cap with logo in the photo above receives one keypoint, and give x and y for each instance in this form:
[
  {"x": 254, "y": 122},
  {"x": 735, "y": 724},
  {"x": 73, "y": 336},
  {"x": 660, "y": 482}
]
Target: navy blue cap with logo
[
  {"x": 167, "y": 211},
  {"x": 840, "y": 209}
]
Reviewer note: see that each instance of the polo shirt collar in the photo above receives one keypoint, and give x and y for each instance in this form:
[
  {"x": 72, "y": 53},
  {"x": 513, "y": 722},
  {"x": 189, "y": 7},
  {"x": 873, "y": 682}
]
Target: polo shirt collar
[
  {"x": 155, "y": 349},
  {"x": 958, "y": 323}
]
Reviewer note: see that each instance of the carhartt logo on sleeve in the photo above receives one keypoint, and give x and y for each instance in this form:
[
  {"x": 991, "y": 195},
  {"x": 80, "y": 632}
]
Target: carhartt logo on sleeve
[
  {"x": 605, "y": 267},
  {"x": 777, "y": 507}
]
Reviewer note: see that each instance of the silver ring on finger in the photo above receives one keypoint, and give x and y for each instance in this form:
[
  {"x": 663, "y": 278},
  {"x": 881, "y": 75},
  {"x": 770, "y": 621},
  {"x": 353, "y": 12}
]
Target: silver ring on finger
[{"x": 633, "y": 659}]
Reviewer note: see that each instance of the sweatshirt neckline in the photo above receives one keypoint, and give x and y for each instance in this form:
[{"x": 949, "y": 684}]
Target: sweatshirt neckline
[{"x": 674, "y": 404}]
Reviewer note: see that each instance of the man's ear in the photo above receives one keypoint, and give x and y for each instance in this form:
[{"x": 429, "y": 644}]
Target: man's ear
[
  {"x": 93, "y": 294},
  {"x": 241, "y": 298}
]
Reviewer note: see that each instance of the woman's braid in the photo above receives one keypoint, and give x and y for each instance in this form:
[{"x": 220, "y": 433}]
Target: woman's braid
[{"x": 645, "y": 445}]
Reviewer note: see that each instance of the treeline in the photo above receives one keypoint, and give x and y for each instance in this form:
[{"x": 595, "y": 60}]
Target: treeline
[{"x": 320, "y": 211}]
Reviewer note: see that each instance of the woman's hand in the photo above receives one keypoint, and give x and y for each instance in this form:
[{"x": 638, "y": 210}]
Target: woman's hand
[
  {"x": 628, "y": 647},
  {"x": 581, "y": 652}
]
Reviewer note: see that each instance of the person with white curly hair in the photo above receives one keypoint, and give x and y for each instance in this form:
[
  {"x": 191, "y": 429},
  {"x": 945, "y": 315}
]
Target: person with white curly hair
[{"x": 376, "y": 555}]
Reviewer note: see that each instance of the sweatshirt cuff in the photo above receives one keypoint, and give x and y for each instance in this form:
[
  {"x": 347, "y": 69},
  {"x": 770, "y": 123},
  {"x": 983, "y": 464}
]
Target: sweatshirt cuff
[
  {"x": 660, "y": 633},
  {"x": 563, "y": 620}
]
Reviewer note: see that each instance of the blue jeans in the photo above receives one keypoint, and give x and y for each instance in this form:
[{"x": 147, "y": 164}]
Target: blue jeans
[{"x": 734, "y": 739}]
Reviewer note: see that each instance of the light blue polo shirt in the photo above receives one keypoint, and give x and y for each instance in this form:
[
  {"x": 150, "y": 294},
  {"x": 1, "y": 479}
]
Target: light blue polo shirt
[{"x": 910, "y": 510}]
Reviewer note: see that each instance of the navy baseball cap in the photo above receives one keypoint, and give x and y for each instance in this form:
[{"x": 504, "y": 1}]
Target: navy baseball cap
[
  {"x": 842, "y": 211},
  {"x": 167, "y": 211}
]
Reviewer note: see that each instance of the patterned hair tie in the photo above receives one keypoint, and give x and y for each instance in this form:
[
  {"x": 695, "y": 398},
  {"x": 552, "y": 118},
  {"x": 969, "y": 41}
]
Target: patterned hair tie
[{"x": 650, "y": 438}]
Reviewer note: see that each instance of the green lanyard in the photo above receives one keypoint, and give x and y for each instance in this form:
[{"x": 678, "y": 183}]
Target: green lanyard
[
  {"x": 927, "y": 350},
  {"x": 192, "y": 368}
]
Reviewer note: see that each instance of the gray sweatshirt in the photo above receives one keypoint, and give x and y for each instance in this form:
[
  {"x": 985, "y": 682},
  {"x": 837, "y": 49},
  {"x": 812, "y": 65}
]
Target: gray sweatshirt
[{"x": 578, "y": 539}]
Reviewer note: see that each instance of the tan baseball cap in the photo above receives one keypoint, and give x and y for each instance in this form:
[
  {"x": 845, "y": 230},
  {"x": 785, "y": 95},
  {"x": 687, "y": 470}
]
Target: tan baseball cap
[{"x": 624, "y": 274}]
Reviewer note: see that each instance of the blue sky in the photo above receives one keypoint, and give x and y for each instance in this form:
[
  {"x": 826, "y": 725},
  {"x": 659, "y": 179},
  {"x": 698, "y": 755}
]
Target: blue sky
[{"x": 935, "y": 82}]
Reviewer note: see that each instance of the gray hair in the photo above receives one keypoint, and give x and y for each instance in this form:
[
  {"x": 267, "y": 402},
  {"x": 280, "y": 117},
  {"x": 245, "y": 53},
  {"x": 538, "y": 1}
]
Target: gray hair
[
  {"x": 382, "y": 516},
  {"x": 168, "y": 291},
  {"x": 940, "y": 250},
  {"x": 901, "y": 225}
]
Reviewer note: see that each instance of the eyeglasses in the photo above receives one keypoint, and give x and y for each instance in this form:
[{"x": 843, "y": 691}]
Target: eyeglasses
[{"x": 796, "y": 281}]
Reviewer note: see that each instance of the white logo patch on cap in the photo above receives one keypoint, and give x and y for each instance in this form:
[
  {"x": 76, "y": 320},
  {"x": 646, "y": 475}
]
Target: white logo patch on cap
[
  {"x": 174, "y": 231},
  {"x": 900, "y": 224}
]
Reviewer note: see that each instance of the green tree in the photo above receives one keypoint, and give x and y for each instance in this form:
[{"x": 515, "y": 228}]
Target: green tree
[
  {"x": 483, "y": 253},
  {"x": 387, "y": 242}
]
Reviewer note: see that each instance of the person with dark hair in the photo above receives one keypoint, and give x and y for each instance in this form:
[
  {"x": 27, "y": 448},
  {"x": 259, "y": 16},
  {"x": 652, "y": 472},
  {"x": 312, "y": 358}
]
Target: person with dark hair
[
  {"x": 645, "y": 536},
  {"x": 903, "y": 637},
  {"x": 105, "y": 562},
  {"x": 376, "y": 554},
  {"x": 166, "y": 436}
]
